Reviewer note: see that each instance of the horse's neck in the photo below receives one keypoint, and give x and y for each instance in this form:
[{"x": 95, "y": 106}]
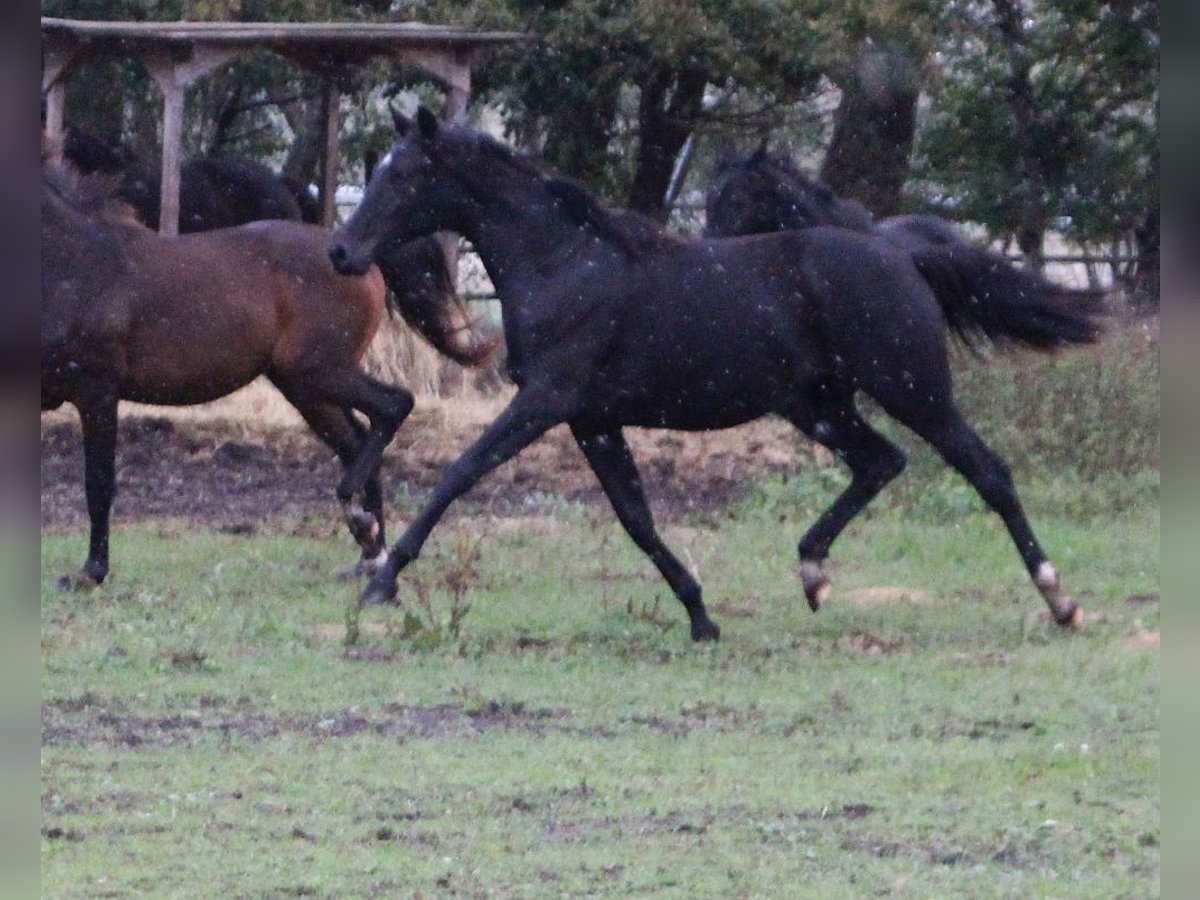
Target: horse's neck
[
  {"x": 804, "y": 204},
  {"x": 524, "y": 235}
]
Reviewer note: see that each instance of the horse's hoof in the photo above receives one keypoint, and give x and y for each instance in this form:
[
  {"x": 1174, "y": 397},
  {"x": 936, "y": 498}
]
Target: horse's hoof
[
  {"x": 378, "y": 593},
  {"x": 816, "y": 586},
  {"x": 364, "y": 567},
  {"x": 1070, "y": 616},
  {"x": 706, "y": 630},
  {"x": 80, "y": 581}
]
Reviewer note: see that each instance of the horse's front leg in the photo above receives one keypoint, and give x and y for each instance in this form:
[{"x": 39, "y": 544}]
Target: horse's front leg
[
  {"x": 530, "y": 414},
  {"x": 98, "y": 418},
  {"x": 608, "y": 454}
]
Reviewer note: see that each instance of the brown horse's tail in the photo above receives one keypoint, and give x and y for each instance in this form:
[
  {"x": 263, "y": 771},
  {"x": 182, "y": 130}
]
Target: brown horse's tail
[
  {"x": 422, "y": 290},
  {"x": 983, "y": 294}
]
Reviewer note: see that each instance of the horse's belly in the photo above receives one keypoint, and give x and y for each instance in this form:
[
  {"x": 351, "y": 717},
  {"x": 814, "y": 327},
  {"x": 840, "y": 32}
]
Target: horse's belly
[
  {"x": 179, "y": 381},
  {"x": 706, "y": 400},
  {"x": 186, "y": 359}
]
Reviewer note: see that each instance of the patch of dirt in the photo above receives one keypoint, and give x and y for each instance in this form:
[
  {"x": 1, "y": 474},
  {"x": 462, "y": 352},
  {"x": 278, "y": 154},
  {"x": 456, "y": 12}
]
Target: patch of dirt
[
  {"x": 1143, "y": 640},
  {"x": 112, "y": 725},
  {"x": 239, "y": 477}
]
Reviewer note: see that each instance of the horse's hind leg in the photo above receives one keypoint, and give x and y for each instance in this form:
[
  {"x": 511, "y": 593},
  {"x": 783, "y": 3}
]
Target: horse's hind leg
[
  {"x": 609, "y": 456},
  {"x": 873, "y": 462},
  {"x": 964, "y": 450}
]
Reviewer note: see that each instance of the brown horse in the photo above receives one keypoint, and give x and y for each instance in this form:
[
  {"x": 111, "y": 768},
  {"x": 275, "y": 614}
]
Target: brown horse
[{"x": 128, "y": 314}]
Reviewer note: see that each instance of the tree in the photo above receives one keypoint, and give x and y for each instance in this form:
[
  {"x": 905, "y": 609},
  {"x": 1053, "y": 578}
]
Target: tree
[
  {"x": 877, "y": 56},
  {"x": 1046, "y": 111},
  {"x": 611, "y": 89}
]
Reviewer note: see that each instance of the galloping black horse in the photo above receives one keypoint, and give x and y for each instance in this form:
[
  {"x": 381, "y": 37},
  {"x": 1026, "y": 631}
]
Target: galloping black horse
[
  {"x": 763, "y": 193},
  {"x": 612, "y": 322}
]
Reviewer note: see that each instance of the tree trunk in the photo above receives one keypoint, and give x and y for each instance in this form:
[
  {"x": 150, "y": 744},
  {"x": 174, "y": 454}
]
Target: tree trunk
[
  {"x": 1031, "y": 229},
  {"x": 874, "y": 127},
  {"x": 663, "y": 128},
  {"x": 1143, "y": 287}
]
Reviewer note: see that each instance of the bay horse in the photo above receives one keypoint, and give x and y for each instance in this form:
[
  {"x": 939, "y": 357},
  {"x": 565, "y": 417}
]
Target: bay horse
[
  {"x": 610, "y": 322},
  {"x": 762, "y": 193},
  {"x": 128, "y": 314},
  {"x": 224, "y": 191}
]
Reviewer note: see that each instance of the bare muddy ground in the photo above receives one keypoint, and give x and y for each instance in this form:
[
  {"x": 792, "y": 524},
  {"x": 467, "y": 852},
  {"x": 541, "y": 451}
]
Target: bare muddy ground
[{"x": 231, "y": 475}]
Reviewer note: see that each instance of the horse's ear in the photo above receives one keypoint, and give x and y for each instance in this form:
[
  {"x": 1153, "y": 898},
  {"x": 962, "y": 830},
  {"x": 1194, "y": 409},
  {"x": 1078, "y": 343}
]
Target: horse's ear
[
  {"x": 399, "y": 120},
  {"x": 427, "y": 122}
]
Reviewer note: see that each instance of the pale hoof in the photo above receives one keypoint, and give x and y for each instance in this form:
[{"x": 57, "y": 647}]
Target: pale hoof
[
  {"x": 364, "y": 527},
  {"x": 816, "y": 586},
  {"x": 78, "y": 582},
  {"x": 1063, "y": 610}
]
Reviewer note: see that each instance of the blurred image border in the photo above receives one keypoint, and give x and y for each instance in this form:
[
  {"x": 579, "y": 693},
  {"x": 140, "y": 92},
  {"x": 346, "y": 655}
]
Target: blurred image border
[{"x": 1180, "y": 348}]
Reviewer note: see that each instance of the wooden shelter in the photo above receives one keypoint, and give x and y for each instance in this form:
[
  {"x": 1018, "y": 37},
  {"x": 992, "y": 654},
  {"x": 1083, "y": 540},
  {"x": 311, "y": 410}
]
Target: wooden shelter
[{"x": 176, "y": 54}]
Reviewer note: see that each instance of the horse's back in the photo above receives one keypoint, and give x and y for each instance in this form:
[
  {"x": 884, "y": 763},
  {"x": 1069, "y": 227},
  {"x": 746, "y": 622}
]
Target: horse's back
[{"x": 324, "y": 313}]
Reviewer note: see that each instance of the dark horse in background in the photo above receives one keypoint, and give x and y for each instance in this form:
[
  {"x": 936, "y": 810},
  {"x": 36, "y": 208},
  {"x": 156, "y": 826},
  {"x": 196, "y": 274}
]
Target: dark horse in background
[
  {"x": 762, "y": 193},
  {"x": 612, "y": 322},
  {"x": 214, "y": 192},
  {"x": 128, "y": 314}
]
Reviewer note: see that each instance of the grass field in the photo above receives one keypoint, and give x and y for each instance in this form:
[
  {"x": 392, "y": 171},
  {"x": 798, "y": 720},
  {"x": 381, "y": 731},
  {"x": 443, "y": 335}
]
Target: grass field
[
  {"x": 207, "y": 733},
  {"x": 535, "y": 722}
]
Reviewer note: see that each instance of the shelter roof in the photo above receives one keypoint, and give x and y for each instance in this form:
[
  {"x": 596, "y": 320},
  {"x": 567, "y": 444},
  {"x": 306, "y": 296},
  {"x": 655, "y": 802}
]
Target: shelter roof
[{"x": 342, "y": 42}]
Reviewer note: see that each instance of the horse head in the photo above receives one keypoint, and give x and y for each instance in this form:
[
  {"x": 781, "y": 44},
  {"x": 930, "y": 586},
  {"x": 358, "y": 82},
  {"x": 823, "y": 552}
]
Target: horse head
[{"x": 413, "y": 192}]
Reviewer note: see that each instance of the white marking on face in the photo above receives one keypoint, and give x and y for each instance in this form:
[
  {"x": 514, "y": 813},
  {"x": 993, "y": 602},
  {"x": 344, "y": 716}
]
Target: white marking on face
[{"x": 386, "y": 162}]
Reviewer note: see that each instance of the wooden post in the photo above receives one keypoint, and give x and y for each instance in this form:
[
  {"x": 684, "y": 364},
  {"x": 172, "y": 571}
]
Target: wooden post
[
  {"x": 59, "y": 57},
  {"x": 173, "y": 70},
  {"x": 172, "y": 138},
  {"x": 330, "y": 156}
]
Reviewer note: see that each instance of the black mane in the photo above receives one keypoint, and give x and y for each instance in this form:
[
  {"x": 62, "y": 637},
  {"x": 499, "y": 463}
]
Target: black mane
[{"x": 632, "y": 233}]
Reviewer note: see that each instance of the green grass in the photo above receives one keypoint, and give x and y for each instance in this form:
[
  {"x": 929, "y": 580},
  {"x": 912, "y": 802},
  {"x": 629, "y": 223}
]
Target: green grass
[{"x": 207, "y": 733}]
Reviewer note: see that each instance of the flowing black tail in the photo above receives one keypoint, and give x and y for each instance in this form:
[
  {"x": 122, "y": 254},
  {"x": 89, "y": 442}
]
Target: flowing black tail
[
  {"x": 983, "y": 294},
  {"x": 421, "y": 289}
]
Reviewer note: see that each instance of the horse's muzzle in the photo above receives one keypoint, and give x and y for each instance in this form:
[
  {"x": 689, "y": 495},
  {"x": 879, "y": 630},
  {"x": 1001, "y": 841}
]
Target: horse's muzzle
[{"x": 345, "y": 263}]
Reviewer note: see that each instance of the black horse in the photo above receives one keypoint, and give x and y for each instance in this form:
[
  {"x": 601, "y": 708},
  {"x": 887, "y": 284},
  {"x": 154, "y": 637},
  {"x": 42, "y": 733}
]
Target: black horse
[
  {"x": 762, "y": 193},
  {"x": 612, "y": 322}
]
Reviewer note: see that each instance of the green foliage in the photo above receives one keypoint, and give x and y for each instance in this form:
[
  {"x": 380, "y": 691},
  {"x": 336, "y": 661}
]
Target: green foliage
[
  {"x": 1095, "y": 83},
  {"x": 574, "y": 92},
  {"x": 603, "y": 77}
]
